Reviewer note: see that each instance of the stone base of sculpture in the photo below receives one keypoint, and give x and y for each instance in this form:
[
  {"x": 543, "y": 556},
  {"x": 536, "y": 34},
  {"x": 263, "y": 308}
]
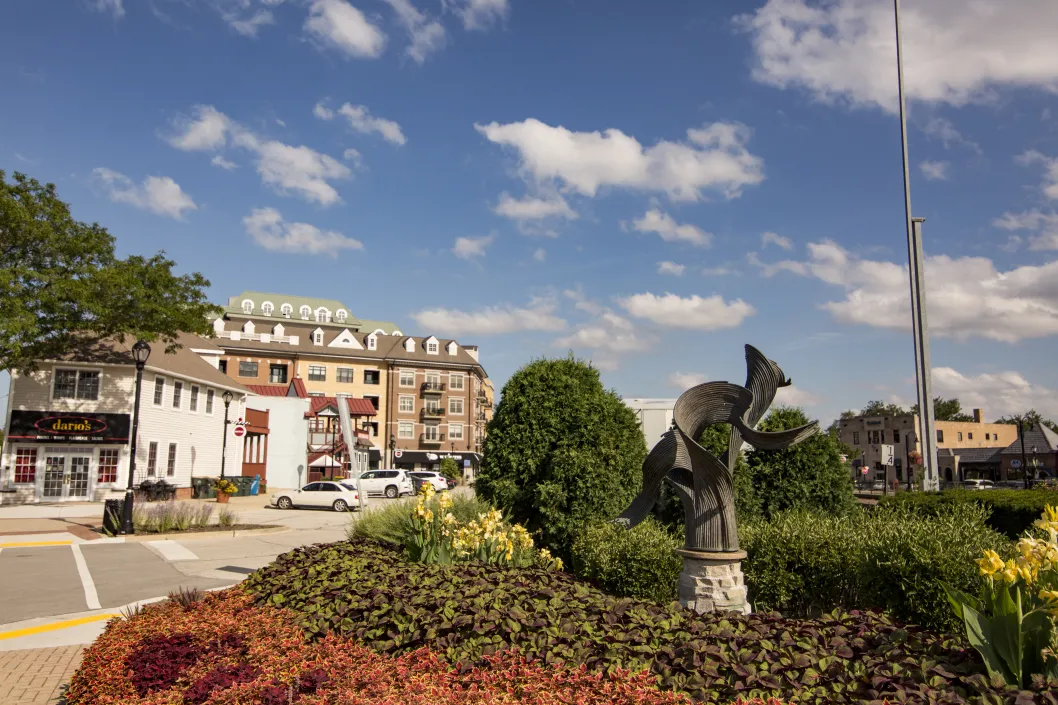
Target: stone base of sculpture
[{"x": 713, "y": 582}]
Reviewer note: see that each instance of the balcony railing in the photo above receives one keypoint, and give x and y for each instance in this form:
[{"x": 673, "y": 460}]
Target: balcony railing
[
  {"x": 438, "y": 439},
  {"x": 433, "y": 387},
  {"x": 481, "y": 416},
  {"x": 433, "y": 412}
]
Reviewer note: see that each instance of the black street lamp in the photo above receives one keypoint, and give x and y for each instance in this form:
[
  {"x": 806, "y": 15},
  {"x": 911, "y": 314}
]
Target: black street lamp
[
  {"x": 140, "y": 352},
  {"x": 227, "y": 397},
  {"x": 1035, "y": 471},
  {"x": 392, "y": 449},
  {"x": 1024, "y": 460}
]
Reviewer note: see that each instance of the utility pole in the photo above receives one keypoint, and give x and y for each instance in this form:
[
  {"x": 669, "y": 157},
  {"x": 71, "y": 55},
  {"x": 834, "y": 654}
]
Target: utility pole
[{"x": 920, "y": 331}]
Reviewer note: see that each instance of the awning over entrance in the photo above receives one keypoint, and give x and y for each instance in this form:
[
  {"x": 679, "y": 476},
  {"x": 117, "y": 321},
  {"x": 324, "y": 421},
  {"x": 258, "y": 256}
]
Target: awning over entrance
[
  {"x": 429, "y": 457},
  {"x": 68, "y": 427}
]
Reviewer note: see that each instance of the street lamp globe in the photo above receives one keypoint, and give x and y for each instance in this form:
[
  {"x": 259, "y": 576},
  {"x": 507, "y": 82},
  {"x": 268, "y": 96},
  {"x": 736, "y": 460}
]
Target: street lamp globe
[
  {"x": 227, "y": 397},
  {"x": 140, "y": 352}
]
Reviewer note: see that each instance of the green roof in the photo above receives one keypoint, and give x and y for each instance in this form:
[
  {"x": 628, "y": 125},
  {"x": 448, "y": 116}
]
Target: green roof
[{"x": 296, "y": 302}]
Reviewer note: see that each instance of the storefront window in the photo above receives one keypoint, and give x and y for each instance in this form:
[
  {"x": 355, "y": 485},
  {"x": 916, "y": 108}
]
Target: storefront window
[
  {"x": 26, "y": 465},
  {"x": 152, "y": 459},
  {"x": 108, "y": 464},
  {"x": 76, "y": 384}
]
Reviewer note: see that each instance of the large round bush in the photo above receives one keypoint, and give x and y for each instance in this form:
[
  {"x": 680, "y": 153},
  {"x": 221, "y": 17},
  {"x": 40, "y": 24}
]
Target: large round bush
[
  {"x": 641, "y": 562},
  {"x": 561, "y": 451}
]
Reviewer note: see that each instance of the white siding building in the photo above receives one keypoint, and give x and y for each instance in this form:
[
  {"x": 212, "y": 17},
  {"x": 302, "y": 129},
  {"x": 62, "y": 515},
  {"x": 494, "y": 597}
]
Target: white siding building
[
  {"x": 287, "y": 440},
  {"x": 68, "y": 424},
  {"x": 655, "y": 417}
]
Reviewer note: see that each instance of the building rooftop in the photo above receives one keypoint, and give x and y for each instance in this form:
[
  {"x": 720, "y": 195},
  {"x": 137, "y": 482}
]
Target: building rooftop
[
  {"x": 1044, "y": 439},
  {"x": 264, "y": 305}
]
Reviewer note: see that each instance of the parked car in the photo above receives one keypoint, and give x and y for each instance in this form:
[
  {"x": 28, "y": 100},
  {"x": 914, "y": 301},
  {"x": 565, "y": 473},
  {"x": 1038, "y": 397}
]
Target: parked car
[
  {"x": 439, "y": 481},
  {"x": 339, "y": 496},
  {"x": 388, "y": 482},
  {"x": 977, "y": 484}
]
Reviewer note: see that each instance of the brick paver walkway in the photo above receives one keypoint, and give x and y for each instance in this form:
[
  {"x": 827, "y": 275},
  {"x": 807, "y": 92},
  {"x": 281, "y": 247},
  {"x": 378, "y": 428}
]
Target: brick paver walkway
[{"x": 36, "y": 676}]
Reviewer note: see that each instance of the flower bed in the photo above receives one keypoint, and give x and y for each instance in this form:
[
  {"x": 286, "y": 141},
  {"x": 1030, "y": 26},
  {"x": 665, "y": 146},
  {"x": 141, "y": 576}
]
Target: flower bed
[
  {"x": 224, "y": 651},
  {"x": 468, "y": 612}
]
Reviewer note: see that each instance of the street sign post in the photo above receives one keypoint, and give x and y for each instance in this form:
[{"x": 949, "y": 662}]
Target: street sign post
[
  {"x": 239, "y": 431},
  {"x": 887, "y": 455}
]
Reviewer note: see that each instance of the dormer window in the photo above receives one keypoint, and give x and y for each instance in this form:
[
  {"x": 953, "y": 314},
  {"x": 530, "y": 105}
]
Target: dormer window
[
  {"x": 278, "y": 330},
  {"x": 305, "y": 312},
  {"x": 247, "y": 306},
  {"x": 317, "y": 337},
  {"x": 267, "y": 308},
  {"x": 431, "y": 348},
  {"x": 452, "y": 348},
  {"x": 218, "y": 326},
  {"x": 396, "y": 332},
  {"x": 341, "y": 315},
  {"x": 323, "y": 315},
  {"x": 409, "y": 345},
  {"x": 248, "y": 327},
  {"x": 286, "y": 310},
  {"x": 372, "y": 342}
]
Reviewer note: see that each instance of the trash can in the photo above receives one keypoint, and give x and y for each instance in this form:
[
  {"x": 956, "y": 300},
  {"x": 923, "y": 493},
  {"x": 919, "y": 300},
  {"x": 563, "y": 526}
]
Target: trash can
[
  {"x": 255, "y": 486},
  {"x": 113, "y": 515}
]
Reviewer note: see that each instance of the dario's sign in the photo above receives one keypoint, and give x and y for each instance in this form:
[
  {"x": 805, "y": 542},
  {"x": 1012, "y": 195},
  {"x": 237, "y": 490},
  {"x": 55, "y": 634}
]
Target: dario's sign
[{"x": 69, "y": 427}]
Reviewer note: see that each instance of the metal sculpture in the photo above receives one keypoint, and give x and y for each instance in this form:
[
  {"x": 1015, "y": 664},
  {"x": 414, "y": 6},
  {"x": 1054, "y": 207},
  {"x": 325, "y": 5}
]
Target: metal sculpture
[{"x": 703, "y": 482}]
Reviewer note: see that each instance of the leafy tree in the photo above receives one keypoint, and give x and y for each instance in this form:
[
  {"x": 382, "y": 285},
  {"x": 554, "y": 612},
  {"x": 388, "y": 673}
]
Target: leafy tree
[
  {"x": 1030, "y": 418},
  {"x": 809, "y": 475},
  {"x": 561, "y": 451},
  {"x": 881, "y": 408},
  {"x": 64, "y": 289},
  {"x": 450, "y": 468},
  {"x": 946, "y": 410}
]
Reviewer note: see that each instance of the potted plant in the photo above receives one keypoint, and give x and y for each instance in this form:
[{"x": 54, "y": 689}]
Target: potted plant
[{"x": 224, "y": 489}]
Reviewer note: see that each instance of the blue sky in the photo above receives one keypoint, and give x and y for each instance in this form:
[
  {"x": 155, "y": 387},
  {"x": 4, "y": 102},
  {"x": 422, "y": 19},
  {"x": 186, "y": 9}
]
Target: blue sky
[{"x": 651, "y": 185}]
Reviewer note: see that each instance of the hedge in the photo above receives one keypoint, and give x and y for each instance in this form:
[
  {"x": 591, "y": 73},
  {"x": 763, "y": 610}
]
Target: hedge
[
  {"x": 469, "y": 612},
  {"x": 1012, "y": 511},
  {"x": 641, "y": 562}
]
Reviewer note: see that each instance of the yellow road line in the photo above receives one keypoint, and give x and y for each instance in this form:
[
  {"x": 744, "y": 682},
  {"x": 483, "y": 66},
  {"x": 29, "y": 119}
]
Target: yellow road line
[
  {"x": 21, "y": 544},
  {"x": 29, "y": 631}
]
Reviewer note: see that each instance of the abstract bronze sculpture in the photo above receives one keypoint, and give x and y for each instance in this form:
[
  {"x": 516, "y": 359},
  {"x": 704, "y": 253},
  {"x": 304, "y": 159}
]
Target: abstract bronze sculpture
[{"x": 705, "y": 483}]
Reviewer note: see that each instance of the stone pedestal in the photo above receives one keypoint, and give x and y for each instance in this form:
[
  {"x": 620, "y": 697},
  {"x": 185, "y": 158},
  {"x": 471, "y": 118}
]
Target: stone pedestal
[{"x": 713, "y": 582}]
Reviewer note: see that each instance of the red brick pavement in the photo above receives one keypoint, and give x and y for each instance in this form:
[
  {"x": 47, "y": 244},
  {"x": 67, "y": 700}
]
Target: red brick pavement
[{"x": 37, "y": 676}]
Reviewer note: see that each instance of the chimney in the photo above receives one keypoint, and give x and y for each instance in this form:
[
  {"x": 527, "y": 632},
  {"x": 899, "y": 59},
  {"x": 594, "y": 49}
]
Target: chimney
[
  {"x": 472, "y": 350},
  {"x": 978, "y": 416}
]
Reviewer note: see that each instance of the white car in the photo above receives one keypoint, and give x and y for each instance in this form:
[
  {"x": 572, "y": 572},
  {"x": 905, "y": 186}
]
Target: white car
[
  {"x": 979, "y": 484},
  {"x": 387, "y": 482},
  {"x": 339, "y": 496},
  {"x": 439, "y": 481}
]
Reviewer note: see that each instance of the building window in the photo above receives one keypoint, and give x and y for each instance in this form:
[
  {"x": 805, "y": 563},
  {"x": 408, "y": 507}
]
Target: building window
[
  {"x": 108, "y": 465},
  {"x": 317, "y": 373},
  {"x": 407, "y": 378},
  {"x": 406, "y": 405},
  {"x": 267, "y": 308},
  {"x": 455, "y": 431},
  {"x": 431, "y": 348},
  {"x": 223, "y": 366},
  {"x": 317, "y": 337},
  {"x": 76, "y": 384},
  {"x": 372, "y": 342},
  {"x": 341, "y": 315},
  {"x": 855, "y": 438},
  {"x": 988, "y": 436},
  {"x": 940, "y": 436},
  {"x": 247, "y": 369},
  {"x": 209, "y": 401},
  {"x": 277, "y": 374},
  {"x": 433, "y": 405},
  {"x": 286, "y": 310},
  {"x": 896, "y": 436},
  {"x": 969, "y": 436},
  {"x": 315, "y": 394},
  {"x": 305, "y": 311},
  {"x": 405, "y": 429},
  {"x": 159, "y": 390},
  {"x": 374, "y": 401},
  {"x": 455, "y": 406},
  {"x": 455, "y": 383},
  {"x": 372, "y": 376},
  {"x": 152, "y": 459},
  {"x": 178, "y": 392},
  {"x": 323, "y": 315},
  {"x": 170, "y": 466},
  {"x": 431, "y": 432},
  {"x": 433, "y": 379},
  {"x": 958, "y": 436},
  {"x": 193, "y": 402},
  {"x": 346, "y": 375},
  {"x": 26, "y": 466}
]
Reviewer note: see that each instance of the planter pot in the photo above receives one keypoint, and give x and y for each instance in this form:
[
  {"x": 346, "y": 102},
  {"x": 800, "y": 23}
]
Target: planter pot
[{"x": 222, "y": 498}]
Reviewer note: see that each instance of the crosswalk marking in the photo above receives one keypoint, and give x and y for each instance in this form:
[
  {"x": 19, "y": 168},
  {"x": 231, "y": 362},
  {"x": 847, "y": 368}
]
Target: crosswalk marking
[
  {"x": 91, "y": 597},
  {"x": 171, "y": 551}
]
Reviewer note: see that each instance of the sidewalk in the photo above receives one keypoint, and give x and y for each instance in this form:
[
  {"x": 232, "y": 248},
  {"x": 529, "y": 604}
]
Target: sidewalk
[{"x": 37, "y": 676}]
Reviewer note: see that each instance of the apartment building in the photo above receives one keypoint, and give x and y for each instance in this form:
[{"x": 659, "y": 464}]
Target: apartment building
[
  {"x": 427, "y": 391},
  {"x": 866, "y": 435}
]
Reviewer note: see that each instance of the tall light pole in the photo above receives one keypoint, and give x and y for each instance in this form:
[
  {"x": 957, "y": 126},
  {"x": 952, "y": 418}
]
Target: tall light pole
[
  {"x": 140, "y": 352},
  {"x": 227, "y": 397},
  {"x": 1024, "y": 460},
  {"x": 927, "y": 429}
]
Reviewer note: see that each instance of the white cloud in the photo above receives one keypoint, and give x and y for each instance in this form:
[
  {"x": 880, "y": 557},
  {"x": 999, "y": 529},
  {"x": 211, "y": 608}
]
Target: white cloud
[
  {"x": 713, "y": 158},
  {"x": 427, "y": 36},
  {"x": 609, "y": 334},
  {"x": 717, "y": 271},
  {"x": 479, "y": 14},
  {"x": 934, "y": 171},
  {"x": 692, "y": 313},
  {"x": 361, "y": 120},
  {"x": 287, "y": 169},
  {"x": 998, "y": 393},
  {"x": 1043, "y": 226},
  {"x": 531, "y": 208},
  {"x": 686, "y": 380},
  {"x": 268, "y": 229},
  {"x": 223, "y": 163},
  {"x": 657, "y": 221},
  {"x": 955, "y": 52},
  {"x": 114, "y": 7},
  {"x": 1050, "y": 171},
  {"x": 158, "y": 194},
  {"x": 540, "y": 255},
  {"x": 944, "y": 131},
  {"x": 795, "y": 396},
  {"x": 777, "y": 240},
  {"x": 352, "y": 155},
  {"x": 471, "y": 247},
  {"x": 339, "y": 25},
  {"x": 248, "y": 24},
  {"x": 539, "y": 315},
  {"x": 965, "y": 296},
  {"x": 671, "y": 268}
]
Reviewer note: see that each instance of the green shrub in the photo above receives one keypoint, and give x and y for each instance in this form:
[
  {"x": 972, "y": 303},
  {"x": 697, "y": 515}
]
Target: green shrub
[
  {"x": 801, "y": 563},
  {"x": 639, "y": 563},
  {"x": 1012, "y": 511},
  {"x": 468, "y": 611},
  {"x": 561, "y": 452},
  {"x": 390, "y": 522},
  {"x": 450, "y": 469}
]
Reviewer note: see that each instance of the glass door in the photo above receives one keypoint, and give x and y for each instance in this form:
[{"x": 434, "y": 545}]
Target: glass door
[
  {"x": 54, "y": 472},
  {"x": 66, "y": 476},
  {"x": 77, "y": 480}
]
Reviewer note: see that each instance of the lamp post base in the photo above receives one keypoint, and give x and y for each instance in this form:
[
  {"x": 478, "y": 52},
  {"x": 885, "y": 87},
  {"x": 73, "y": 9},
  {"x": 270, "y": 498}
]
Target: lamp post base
[{"x": 713, "y": 582}]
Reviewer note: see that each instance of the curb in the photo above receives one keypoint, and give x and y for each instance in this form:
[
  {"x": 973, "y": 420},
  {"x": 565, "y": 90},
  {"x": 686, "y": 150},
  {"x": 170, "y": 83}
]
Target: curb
[{"x": 190, "y": 536}]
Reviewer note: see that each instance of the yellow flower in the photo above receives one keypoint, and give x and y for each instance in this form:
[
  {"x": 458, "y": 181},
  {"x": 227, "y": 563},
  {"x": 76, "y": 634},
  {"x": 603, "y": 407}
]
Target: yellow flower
[
  {"x": 1010, "y": 572},
  {"x": 444, "y": 500},
  {"x": 991, "y": 563}
]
